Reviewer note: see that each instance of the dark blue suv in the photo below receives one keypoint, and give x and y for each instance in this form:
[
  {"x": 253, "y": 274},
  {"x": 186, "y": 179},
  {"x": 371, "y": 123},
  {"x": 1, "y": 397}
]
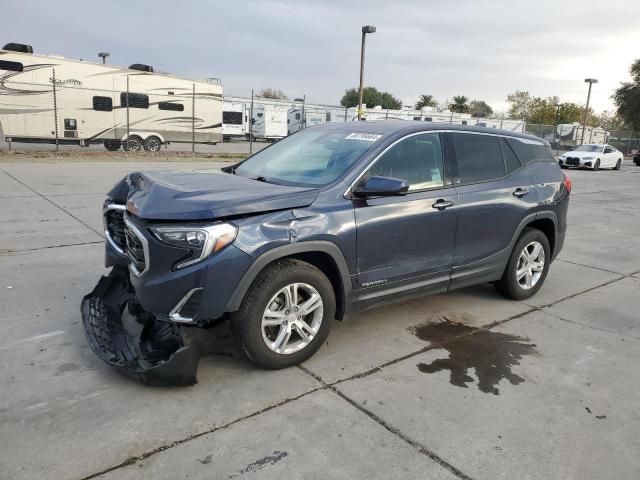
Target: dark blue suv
[{"x": 333, "y": 219}]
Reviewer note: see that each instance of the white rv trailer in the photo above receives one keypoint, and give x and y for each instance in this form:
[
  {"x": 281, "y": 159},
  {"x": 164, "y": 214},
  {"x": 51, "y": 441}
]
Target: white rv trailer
[
  {"x": 49, "y": 99},
  {"x": 571, "y": 134},
  {"x": 234, "y": 119},
  {"x": 269, "y": 122}
]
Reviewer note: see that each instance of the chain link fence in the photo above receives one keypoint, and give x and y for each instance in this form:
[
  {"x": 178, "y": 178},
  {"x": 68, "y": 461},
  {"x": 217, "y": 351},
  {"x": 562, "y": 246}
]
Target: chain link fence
[{"x": 140, "y": 112}]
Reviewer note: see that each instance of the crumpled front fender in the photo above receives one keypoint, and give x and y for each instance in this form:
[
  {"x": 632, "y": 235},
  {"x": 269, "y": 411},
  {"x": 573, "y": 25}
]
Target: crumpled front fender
[{"x": 133, "y": 341}]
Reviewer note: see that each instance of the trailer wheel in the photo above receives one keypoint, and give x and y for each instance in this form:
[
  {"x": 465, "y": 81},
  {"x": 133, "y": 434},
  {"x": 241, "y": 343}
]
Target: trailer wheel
[
  {"x": 152, "y": 144},
  {"x": 133, "y": 144},
  {"x": 112, "y": 145}
]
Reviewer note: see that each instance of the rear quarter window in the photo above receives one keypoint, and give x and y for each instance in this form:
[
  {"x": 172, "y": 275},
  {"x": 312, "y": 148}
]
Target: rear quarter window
[{"x": 530, "y": 152}]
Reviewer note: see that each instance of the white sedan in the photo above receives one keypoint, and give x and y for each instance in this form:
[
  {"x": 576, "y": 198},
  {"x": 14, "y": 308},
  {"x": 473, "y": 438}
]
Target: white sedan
[{"x": 593, "y": 155}]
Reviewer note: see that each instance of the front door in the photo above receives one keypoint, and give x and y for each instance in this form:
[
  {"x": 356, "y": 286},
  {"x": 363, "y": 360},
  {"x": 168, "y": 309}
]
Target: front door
[{"x": 406, "y": 242}]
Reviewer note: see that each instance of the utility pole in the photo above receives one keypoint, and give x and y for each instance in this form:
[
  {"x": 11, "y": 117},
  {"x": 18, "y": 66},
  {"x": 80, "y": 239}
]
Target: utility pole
[
  {"x": 103, "y": 56},
  {"x": 366, "y": 29},
  {"x": 590, "y": 81}
]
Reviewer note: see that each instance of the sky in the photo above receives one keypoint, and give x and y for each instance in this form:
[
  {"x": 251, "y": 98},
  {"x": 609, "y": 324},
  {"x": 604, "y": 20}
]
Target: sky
[{"x": 478, "y": 48}]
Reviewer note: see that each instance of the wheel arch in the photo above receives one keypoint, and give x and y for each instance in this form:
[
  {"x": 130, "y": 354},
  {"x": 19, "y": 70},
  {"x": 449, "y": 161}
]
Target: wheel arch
[{"x": 324, "y": 255}]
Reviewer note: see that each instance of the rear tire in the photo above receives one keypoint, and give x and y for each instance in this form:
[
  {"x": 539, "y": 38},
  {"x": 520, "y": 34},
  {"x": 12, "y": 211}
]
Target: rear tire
[
  {"x": 268, "y": 313},
  {"x": 618, "y": 164},
  {"x": 152, "y": 144},
  {"x": 522, "y": 278}
]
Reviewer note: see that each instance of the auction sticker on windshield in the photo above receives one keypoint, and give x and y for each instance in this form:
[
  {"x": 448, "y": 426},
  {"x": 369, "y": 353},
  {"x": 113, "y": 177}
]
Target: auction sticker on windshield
[{"x": 368, "y": 137}]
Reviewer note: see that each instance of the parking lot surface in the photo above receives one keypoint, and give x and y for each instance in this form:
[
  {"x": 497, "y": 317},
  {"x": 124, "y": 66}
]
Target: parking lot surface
[{"x": 459, "y": 385}]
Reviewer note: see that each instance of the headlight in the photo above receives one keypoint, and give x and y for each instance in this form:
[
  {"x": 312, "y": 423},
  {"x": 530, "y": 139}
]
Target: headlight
[{"x": 199, "y": 241}]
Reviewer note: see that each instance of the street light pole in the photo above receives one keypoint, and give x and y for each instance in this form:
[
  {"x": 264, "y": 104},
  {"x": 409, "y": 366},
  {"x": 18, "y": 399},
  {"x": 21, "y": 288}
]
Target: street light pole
[
  {"x": 366, "y": 29},
  {"x": 103, "y": 56},
  {"x": 557, "y": 105},
  {"x": 590, "y": 81}
]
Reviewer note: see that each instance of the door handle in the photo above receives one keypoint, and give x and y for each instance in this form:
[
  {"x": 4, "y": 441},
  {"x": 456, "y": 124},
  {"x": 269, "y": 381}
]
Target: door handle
[
  {"x": 520, "y": 192},
  {"x": 441, "y": 204}
]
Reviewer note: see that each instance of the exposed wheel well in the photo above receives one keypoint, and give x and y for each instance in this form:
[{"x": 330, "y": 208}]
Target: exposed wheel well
[{"x": 546, "y": 226}]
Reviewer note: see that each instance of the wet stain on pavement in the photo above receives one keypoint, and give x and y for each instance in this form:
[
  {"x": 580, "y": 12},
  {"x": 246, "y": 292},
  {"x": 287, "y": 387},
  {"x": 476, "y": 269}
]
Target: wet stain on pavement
[
  {"x": 490, "y": 355},
  {"x": 258, "y": 465}
]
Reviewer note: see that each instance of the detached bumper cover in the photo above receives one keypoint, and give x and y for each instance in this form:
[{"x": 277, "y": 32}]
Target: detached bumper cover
[{"x": 133, "y": 341}]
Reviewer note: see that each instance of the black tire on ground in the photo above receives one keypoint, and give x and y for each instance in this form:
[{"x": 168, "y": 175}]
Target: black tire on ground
[
  {"x": 152, "y": 144},
  {"x": 596, "y": 167},
  {"x": 132, "y": 144},
  {"x": 112, "y": 145},
  {"x": 618, "y": 164},
  {"x": 246, "y": 323},
  {"x": 508, "y": 285}
]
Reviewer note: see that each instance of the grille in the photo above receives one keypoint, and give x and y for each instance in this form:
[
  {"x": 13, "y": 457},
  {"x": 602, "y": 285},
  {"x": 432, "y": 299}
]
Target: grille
[
  {"x": 114, "y": 220},
  {"x": 135, "y": 249},
  {"x": 572, "y": 161}
]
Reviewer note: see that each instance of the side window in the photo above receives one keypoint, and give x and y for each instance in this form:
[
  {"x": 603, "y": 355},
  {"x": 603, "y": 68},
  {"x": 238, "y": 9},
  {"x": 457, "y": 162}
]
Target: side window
[
  {"x": 11, "y": 66},
  {"x": 529, "y": 151},
  {"x": 102, "y": 104},
  {"x": 176, "y": 107},
  {"x": 510, "y": 160},
  {"x": 608, "y": 149},
  {"x": 134, "y": 100},
  {"x": 417, "y": 159},
  {"x": 479, "y": 157}
]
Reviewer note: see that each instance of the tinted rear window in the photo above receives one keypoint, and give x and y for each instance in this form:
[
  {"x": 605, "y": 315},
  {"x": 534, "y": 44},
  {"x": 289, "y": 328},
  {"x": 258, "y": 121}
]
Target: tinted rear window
[
  {"x": 232, "y": 118},
  {"x": 479, "y": 157},
  {"x": 530, "y": 152}
]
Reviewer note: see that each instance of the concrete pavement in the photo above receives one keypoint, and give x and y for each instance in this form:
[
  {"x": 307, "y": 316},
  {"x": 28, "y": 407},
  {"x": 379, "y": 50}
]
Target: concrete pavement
[{"x": 459, "y": 385}]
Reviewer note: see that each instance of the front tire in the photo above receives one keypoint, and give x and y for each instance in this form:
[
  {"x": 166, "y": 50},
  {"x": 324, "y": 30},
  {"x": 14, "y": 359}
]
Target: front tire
[
  {"x": 527, "y": 267},
  {"x": 286, "y": 315},
  {"x": 132, "y": 144},
  {"x": 618, "y": 164},
  {"x": 596, "y": 166}
]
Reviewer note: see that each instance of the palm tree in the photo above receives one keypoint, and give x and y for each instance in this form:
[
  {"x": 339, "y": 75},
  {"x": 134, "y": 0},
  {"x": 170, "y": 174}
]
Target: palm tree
[
  {"x": 459, "y": 104},
  {"x": 425, "y": 101}
]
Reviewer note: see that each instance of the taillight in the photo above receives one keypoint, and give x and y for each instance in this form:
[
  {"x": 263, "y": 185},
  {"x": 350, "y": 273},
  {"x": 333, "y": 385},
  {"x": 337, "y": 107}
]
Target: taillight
[{"x": 567, "y": 182}]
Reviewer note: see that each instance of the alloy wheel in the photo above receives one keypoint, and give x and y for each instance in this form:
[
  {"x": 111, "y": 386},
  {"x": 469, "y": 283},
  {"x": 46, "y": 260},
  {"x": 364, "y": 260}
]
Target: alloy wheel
[
  {"x": 292, "y": 318},
  {"x": 531, "y": 264}
]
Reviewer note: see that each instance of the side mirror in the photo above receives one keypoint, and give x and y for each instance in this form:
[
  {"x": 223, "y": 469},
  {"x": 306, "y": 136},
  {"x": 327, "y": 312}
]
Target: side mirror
[{"x": 382, "y": 187}]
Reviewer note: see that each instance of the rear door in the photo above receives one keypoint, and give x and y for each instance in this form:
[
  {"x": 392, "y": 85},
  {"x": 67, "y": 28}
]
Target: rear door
[
  {"x": 495, "y": 194},
  {"x": 406, "y": 242}
]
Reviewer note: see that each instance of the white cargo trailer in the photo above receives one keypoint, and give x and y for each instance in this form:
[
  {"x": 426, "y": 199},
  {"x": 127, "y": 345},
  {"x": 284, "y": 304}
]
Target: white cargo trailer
[
  {"x": 269, "y": 122},
  {"x": 49, "y": 99},
  {"x": 233, "y": 120}
]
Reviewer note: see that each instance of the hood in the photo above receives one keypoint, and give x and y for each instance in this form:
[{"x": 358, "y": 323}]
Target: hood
[
  {"x": 183, "y": 195},
  {"x": 576, "y": 154}
]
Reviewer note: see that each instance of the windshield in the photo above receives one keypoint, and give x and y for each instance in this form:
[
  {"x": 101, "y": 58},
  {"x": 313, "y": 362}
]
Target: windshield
[
  {"x": 310, "y": 157},
  {"x": 589, "y": 148}
]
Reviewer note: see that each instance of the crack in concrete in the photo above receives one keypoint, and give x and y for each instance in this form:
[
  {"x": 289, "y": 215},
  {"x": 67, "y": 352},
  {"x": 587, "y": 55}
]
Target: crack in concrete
[
  {"x": 51, "y": 202},
  {"x": 24, "y": 250},
  {"x": 166, "y": 446}
]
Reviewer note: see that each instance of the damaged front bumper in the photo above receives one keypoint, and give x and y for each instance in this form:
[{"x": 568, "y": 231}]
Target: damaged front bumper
[{"x": 134, "y": 341}]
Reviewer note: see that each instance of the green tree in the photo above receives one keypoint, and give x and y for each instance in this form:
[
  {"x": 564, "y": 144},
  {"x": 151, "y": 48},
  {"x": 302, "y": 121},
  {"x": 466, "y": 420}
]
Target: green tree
[
  {"x": 547, "y": 111},
  {"x": 459, "y": 104},
  {"x": 272, "y": 93},
  {"x": 480, "y": 108},
  {"x": 425, "y": 101},
  {"x": 609, "y": 120},
  {"x": 371, "y": 97},
  {"x": 627, "y": 98},
  {"x": 519, "y": 108}
]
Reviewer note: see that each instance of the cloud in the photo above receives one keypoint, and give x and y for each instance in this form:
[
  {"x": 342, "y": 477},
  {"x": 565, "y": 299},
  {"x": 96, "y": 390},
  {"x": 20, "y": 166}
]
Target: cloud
[{"x": 479, "y": 48}]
